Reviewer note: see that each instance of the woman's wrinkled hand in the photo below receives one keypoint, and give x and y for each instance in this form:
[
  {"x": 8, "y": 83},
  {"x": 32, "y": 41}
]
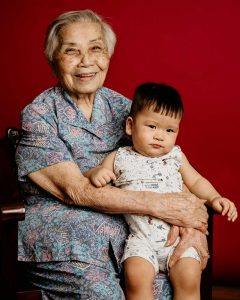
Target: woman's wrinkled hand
[
  {"x": 184, "y": 210},
  {"x": 189, "y": 237}
]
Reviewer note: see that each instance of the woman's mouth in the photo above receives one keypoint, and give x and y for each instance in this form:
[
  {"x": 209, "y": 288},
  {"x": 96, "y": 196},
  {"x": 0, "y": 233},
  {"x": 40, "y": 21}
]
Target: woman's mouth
[{"x": 86, "y": 76}]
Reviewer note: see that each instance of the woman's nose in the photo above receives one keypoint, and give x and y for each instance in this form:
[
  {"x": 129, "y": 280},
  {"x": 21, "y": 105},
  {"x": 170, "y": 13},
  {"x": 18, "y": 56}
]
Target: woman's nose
[{"x": 86, "y": 59}]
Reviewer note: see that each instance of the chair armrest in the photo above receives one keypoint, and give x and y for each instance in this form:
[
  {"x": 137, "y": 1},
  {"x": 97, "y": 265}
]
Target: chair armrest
[{"x": 12, "y": 211}]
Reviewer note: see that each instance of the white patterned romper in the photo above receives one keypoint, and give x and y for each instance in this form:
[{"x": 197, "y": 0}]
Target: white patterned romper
[{"x": 157, "y": 174}]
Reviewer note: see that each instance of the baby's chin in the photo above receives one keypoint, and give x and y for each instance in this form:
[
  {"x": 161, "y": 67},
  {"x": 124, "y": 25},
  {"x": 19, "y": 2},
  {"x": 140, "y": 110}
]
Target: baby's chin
[{"x": 153, "y": 153}]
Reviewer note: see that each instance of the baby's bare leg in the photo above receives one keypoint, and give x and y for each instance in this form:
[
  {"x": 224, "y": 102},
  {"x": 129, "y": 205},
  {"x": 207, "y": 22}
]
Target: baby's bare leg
[
  {"x": 185, "y": 276},
  {"x": 139, "y": 277}
]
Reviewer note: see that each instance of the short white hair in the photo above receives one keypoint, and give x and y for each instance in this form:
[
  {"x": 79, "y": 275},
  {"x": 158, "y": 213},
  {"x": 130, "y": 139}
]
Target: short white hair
[{"x": 52, "y": 40}]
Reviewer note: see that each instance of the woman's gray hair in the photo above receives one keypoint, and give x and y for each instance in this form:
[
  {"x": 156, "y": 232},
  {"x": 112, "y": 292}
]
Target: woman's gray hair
[{"x": 52, "y": 41}]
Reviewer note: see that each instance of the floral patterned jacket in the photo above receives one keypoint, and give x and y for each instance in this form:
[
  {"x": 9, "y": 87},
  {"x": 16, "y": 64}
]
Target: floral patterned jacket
[{"x": 55, "y": 130}]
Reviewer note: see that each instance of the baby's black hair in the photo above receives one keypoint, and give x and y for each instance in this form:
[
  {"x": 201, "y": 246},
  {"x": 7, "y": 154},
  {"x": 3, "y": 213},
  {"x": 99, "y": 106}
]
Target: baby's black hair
[{"x": 161, "y": 97}]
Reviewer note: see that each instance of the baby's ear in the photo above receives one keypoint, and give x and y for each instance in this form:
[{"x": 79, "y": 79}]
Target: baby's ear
[{"x": 129, "y": 124}]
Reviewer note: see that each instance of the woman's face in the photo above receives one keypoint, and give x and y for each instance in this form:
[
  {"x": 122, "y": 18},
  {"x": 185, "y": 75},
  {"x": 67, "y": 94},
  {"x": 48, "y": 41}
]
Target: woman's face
[{"x": 82, "y": 60}]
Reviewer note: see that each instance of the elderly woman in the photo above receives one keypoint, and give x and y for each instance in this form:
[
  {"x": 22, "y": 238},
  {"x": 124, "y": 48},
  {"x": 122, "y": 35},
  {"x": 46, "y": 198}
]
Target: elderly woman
[{"x": 72, "y": 239}]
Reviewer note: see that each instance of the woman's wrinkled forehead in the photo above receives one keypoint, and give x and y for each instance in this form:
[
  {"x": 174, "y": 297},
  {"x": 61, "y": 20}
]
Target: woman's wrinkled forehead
[{"x": 79, "y": 32}]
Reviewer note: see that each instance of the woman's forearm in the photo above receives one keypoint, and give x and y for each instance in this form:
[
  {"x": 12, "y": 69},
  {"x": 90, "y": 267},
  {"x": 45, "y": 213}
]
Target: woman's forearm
[{"x": 65, "y": 181}]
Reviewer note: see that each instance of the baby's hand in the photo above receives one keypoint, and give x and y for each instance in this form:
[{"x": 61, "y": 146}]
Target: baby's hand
[
  {"x": 101, "y": 176},
  {"x": 225, "y": 206}
]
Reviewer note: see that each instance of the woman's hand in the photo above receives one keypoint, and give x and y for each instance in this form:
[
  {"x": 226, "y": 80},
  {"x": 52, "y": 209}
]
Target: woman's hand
[
  {"x": 181, "y": 209},
  {"x": 189, "y": 237}
]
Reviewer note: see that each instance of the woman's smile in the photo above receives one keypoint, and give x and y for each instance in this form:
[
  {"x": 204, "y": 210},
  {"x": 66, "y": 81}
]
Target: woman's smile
[{"x": 86, "y": 76}]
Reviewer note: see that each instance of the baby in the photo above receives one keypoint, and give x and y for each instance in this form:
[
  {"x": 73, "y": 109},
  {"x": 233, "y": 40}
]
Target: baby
[{"x": 155, "y": 163}]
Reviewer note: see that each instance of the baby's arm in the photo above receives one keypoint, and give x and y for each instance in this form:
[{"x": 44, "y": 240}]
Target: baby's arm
[
  {"x": 102, "y": 174},
  {"x": 203, "y": 189}
]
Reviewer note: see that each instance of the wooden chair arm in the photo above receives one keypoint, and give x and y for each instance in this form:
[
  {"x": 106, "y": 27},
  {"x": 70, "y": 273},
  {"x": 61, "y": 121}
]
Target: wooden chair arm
[{"x": 12, "y": 211}]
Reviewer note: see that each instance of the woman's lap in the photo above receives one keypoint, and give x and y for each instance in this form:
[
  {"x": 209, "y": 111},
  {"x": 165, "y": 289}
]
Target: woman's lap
[{"x": 72, "y": 280}]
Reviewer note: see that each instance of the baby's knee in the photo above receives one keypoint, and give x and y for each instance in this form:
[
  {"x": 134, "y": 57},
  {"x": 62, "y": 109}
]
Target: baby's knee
[
  {"x": 138, "y": 273},
  {"x": 186, "y": 274}
]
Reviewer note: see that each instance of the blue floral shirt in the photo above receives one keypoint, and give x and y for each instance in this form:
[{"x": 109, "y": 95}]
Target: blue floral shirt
[{"x": 55, "y": 130}]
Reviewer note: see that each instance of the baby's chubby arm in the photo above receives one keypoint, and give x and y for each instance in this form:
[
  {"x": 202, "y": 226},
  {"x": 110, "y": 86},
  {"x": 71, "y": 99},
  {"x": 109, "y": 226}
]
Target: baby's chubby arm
[
  {"x": 102, "y": 174},
  {"x": 202, "y": 188}
]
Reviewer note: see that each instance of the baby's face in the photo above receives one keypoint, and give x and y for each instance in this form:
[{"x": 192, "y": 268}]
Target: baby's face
[{"x": 153, "y": 133}]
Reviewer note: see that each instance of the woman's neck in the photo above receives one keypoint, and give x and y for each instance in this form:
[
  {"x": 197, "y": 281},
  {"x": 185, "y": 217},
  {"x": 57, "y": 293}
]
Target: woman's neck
[{"x": 85, "y": 104}]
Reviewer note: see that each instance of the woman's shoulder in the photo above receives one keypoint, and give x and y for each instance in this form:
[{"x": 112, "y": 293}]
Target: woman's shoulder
[
  {"x": 48, "y": 95},
  {"x": 113, "y": 96},
  {"x": 118, "y": 104},
  {"x": 45, "y": 100}
]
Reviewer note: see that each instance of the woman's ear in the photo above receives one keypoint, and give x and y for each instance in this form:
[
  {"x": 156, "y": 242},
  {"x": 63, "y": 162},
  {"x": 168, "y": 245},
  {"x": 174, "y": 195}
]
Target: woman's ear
[{"x": 129, "y": 124}]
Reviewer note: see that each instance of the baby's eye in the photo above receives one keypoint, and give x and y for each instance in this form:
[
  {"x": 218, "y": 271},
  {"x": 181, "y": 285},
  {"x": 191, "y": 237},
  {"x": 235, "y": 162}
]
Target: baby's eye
[
  {"x": 152, "y": 126},
  {"x": 170, "y": 130}
]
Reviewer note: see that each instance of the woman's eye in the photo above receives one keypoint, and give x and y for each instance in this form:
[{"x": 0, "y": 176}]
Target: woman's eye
[
  {"x": 96, "y": 49},
  {"x": 71, "y": 51}
]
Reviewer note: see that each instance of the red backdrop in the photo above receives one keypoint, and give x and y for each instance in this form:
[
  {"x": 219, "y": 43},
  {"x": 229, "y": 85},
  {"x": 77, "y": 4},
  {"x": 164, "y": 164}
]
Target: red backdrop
[{"x": 192, "y": 45}]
